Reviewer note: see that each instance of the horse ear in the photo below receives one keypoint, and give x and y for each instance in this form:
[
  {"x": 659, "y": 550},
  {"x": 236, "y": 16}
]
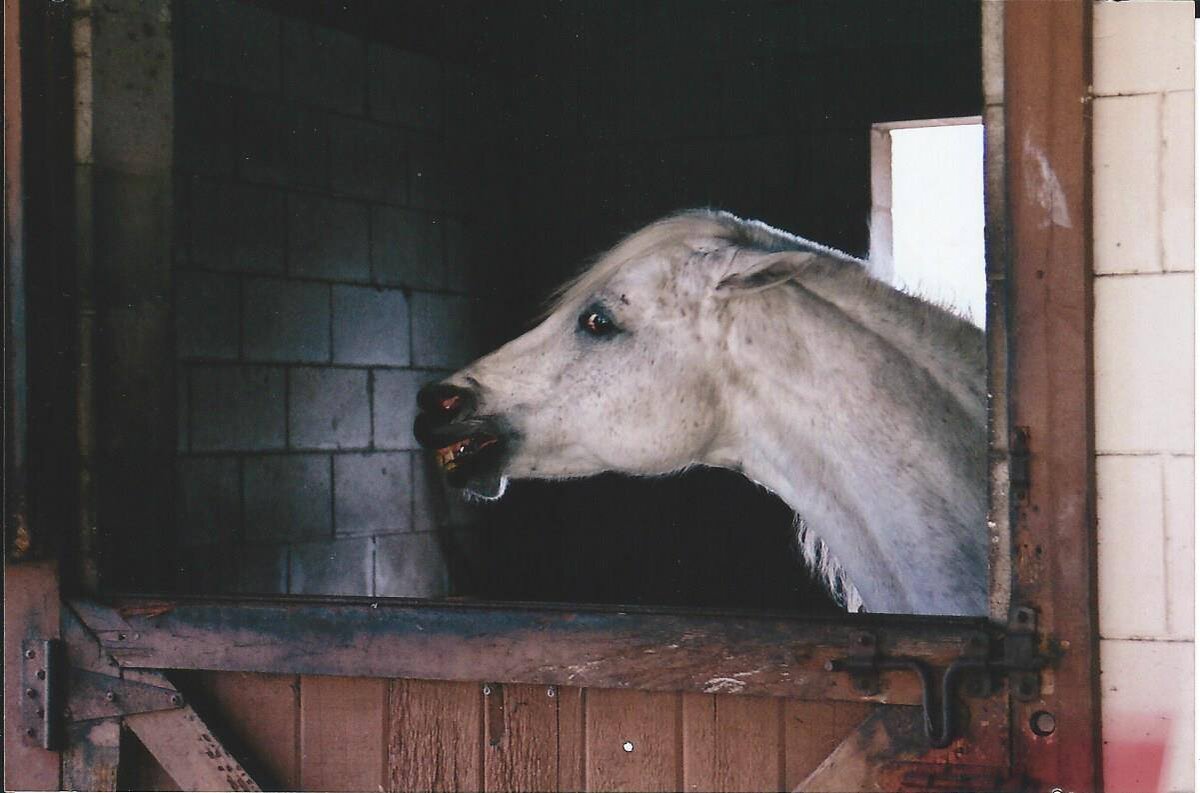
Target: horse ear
[{"x": 763, "y": 270}]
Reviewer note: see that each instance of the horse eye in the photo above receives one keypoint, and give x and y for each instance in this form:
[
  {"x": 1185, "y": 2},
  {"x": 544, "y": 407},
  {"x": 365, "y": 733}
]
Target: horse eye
[{"x": 596, "y": 322}]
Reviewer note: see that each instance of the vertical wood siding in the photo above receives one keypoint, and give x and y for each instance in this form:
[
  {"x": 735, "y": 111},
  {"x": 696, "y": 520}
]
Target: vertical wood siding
[{"x": 326, "y": 733}]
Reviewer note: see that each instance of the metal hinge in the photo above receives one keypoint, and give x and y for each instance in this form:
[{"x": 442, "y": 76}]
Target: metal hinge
[
  {"x": 983, "y": 661},
  {"x": 54, "y": 693}
]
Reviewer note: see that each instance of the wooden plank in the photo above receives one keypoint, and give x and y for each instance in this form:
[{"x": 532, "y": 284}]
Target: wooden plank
[
  {"x": 520, "y": 738},
  {"x": 633, "y": 740},
  {"x": 260, "y": 714},
  {"x": 342, "y": 733},
  {"x": 185, "y": 746},
  {"x": 814, "y": 729},
  {"x": 570, "y": 738},
  {"x": 699, "y": 728},
  {"x": 30, "y": 614},
  {"x": 651, "y": 650},
  {"x": 435, "y": 736},
  {"x": 750, "y": 744},
  {"x": 139, "y": 769},
  {"x": 857, "y": 761},
  {"x": 92, "y": 758},
  {"x": 1047, "y": 73}
]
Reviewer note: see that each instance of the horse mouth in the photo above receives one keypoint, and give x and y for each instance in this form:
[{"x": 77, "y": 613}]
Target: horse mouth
[
  {"x": 456, "y": 455},
  {"x": 469, "y": 453}
]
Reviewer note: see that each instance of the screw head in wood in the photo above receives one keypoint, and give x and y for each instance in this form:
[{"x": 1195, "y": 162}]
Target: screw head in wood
[
  {"x": 176, "y": 700},
  {"x": 32, "y": 694},
  {"x": 110, "y": 695},
  {"x": 627, "y": 746},
  {"x": 30, "y": 654}
]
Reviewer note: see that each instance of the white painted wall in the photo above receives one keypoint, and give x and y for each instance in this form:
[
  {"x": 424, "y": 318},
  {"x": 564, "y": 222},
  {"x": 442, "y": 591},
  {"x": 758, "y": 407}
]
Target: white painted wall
[{"x": 1144, "y": 257}]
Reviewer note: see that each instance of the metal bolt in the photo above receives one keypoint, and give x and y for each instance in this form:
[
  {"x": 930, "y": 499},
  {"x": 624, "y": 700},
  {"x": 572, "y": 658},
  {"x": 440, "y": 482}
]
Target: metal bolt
[
  {"x": 1042, "y": 723},
  {"x": 29, "y": 692},
  {"x": 30, "y": 654},
  {"x": 41, "y": 674},
  {"x": 487, "y": 691},
  {"x": 110, "y": 695},
  {"x": 627, "y": 746},
  {"x": 550, "y": 691},
  {"x": 31, "y": 732},
  {"x": 176, "y": 700},
  {"x": 40, "y": 712}
]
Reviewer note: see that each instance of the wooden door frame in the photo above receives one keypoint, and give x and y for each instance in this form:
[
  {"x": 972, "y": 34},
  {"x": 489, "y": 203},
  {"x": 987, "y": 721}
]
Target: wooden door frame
[{"x": 1040, "y": 333}]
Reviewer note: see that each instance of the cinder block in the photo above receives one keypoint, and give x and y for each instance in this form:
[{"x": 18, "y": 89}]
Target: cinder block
[
  {"x": 1125, "y": 168},
  {"x": 427, "y": 171},
  {"x": 1132, "y": 580},
  {"x": 237, "y": 408},
  {"x": 368, "y": 160},
  {"x": 443, "y": 329},
  {"x": 395, "y": 406},
  {"x": 373, "y": 493},
  {"x": 236, "y": 227},
  {"x": 1143, "y": 47},
  {"x": 206, "y": 315},
  {"x": 1141, "y": 716},
  {"x": 406, "y": 248},
  {"x": 324, "y": 67},
  {"x": 1180, "y": 508},
  {"x": 1144, "y": 363},
  {"x": 288, "y": 497},
  {"x": 370, "y": 326},
  {"x": 327, "y": 238},
  {"x": 281, "y": 143},
  {"x": 333, "y": 567},
  {"x": 204, "y": 135},
  {"x": 285, "y": 320},
  {"x": 404, "y": 88},
  {"x": 232, "y": 43},
  {"x": 476, "y": 103},
  {"x": 261, "y": 569},
  {"x": 460, "y": 255},
  {"x": 410, "y": 565},
  {"x": 328, "y": 408},
  {"x": 1179, "y": 181},
  {"x": 208, "y": 505}
]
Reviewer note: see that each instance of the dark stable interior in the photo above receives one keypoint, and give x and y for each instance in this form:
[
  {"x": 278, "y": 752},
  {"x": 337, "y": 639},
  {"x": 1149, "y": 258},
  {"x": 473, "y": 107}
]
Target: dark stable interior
[{"x": 555, "y": 128}]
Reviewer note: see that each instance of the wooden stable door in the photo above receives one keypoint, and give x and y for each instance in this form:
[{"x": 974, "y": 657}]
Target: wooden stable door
[{"x": 332, "y": 733}]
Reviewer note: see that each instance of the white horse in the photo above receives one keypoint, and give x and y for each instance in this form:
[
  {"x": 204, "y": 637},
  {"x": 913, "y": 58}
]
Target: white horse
[{"x": 704, "y": 339}]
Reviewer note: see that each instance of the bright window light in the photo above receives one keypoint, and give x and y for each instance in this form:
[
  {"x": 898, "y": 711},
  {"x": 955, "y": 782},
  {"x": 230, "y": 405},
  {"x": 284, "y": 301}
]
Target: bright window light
[{"x": 937, "y": 215}]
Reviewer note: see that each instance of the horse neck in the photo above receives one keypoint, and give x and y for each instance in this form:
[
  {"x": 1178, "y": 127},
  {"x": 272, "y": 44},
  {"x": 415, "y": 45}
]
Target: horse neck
[{"x": 864, "y": 414}]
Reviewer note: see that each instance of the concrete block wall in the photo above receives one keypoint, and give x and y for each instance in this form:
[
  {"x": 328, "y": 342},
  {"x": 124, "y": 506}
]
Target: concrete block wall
[
  {"x": 1144, "y": 258},
  {"x": 324, "y": 245}
]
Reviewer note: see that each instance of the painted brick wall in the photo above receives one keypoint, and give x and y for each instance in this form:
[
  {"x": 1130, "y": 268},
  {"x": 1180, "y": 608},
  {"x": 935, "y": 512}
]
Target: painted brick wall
[
  {"x": 330, "y": 192},
  {"x": 1143, "y": 168}
]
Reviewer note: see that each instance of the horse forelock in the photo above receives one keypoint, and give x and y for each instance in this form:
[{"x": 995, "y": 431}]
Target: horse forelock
[{"x": 678, "y": 234}]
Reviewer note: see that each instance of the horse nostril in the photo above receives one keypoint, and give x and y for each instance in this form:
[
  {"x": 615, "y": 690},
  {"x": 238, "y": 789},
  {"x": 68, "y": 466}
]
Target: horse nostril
[{"x": 447, "y": 402}]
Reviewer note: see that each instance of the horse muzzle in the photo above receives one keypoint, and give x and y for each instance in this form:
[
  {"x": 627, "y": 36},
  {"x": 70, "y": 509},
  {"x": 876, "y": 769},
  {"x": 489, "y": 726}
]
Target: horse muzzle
[{"x": 468, "y": 448}]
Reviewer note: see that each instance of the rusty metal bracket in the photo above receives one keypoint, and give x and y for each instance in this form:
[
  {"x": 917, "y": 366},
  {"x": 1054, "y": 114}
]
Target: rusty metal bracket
[
  {"x": 42, "y": 663},
  {"x": 54, "y": 693},
  {"x": 1017, "y": 657},
  {"x": 98, "y": 696}
]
